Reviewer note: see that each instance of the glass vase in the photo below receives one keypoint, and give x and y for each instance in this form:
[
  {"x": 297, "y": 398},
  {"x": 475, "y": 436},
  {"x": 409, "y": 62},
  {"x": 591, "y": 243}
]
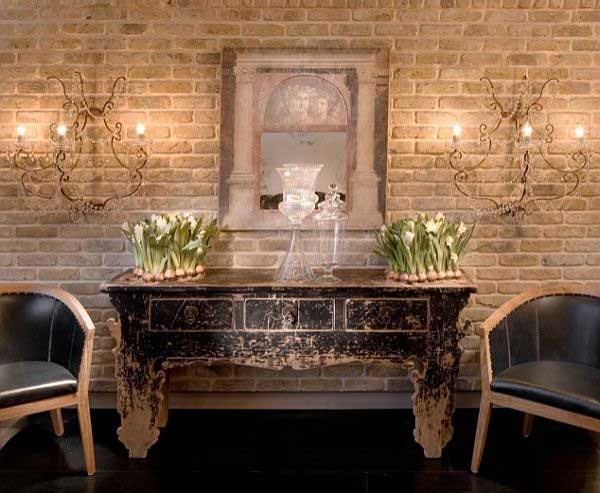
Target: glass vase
[{"x": 299, "y": 199}]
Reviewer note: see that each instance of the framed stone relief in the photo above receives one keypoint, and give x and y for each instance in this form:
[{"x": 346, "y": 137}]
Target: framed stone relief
[{"x": 302, "y": 106}]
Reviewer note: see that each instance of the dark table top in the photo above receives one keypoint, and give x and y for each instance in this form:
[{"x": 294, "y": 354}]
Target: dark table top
[{"x": 243, "y": 279}]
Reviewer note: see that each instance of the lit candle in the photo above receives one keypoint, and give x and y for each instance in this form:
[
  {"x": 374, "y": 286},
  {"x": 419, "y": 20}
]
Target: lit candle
[
  {"x": 61, "y": 131},
  {"x": 579, "y": 133},
  {"x": 527, "y": 131},
  {"x": 20, "y": 134},
  {"x": 140, "y": 129},
  {"x": 456, "y": 131}
]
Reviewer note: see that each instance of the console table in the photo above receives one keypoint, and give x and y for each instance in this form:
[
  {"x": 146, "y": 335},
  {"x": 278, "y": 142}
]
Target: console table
[{"x": 244, "y": 317}]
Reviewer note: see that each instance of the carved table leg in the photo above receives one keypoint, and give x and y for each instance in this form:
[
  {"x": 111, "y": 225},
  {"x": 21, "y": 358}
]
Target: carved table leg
[
  {"x": 163, "y": 411},
  {"x": 138, "y": 397},
  {"x": 435, "y": 381},
  {"x": 433, "y": 406}
]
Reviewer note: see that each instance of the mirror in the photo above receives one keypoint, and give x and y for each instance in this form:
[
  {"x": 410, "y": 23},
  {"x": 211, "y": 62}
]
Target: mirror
[
  {"x": 329, "y": 148},
  {"x": 302, "y": 106}
]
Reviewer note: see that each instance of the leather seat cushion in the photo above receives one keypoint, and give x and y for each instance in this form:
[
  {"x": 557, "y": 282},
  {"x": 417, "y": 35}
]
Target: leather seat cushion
[
  {"x": 567, "y": 386},
  {"x": 29, "y": 381}
]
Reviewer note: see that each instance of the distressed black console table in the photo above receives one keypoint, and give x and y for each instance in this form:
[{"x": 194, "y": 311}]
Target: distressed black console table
[{"x": 244, "y": 317}]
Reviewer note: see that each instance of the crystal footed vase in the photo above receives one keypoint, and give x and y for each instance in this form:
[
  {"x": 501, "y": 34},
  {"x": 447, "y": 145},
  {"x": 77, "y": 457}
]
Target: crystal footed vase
[{"x": 298, "y": 202}]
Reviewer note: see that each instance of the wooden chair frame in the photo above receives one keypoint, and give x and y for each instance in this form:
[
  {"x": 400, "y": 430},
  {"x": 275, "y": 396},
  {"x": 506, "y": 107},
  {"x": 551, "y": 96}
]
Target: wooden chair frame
[
  {"x": 79, "y": 398},
  {"x": 530, "y": 408}
]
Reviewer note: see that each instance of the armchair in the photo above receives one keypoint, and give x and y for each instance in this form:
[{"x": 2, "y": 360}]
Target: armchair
[
  {"x": 46, "y": 339},
  {"x": 540, "y": 354}
]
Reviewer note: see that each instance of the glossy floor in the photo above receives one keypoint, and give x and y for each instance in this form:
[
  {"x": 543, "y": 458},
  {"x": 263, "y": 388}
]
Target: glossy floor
[{"x": 341, "y": 451}]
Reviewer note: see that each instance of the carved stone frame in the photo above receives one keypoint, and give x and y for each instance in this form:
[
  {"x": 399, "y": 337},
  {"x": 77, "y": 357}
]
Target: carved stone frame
[{"x": 239, "y": 207}]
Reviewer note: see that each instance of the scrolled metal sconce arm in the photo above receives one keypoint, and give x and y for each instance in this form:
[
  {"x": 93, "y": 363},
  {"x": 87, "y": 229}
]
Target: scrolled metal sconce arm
[
  {"x": 522, "y": 201},
  {"x": 66, "y": 143}
]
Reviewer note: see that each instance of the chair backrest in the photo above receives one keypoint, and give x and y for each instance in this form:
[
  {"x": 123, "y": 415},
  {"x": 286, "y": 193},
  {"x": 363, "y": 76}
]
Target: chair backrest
[
  {"x": 552, "y": 327},
  {"x": 38, "y": 323}
]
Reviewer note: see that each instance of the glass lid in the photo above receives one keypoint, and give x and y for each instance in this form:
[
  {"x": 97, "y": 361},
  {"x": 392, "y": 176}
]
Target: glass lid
[{"x": 333, "y": 207}]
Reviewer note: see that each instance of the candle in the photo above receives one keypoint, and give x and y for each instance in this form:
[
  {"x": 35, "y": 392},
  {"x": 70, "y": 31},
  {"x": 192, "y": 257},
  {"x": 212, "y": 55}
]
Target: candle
[
  {"x": 456, "y": 131},
  {"x": 61, "y": 130},
  {"x": 140, "y": 128},
  {"x": 527, "y": 131},
  {"x": 20, "y": 134},
  {"x": 579, "y": 133}
]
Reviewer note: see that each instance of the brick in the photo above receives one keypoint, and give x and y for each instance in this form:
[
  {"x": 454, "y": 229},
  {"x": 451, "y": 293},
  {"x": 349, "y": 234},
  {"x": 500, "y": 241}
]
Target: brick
[
  {"x": 307, "y": 30},
  {"x": 277, "y": 385},
  {"x": 328, "y": 15},
  {"x": 320, "y": 384},
  {"x": 540, "y": 274},
  {"x": 234, "y": 385},
  {"x": 36, "y": 231},
  {"x": 519, "y": 259},
  {"x": 363, "y": 384},
  {"x": 257, "y": 260},
  {"x": 351, "y": 29},
  {"x": 541, "y": 245},
  {"x": 562, "y": 259},
  {"x": 263, "y": 30},
  {"x": 36, "y": 260},
  {"x": 349, "y": 369}
]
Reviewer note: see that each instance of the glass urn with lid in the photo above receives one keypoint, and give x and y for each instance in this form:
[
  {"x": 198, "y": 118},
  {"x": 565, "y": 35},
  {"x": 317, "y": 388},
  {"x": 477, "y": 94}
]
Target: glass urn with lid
[{"x": 331, "y": 220}]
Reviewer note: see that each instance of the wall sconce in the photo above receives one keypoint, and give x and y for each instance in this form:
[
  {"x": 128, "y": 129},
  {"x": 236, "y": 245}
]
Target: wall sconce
[
  {"x": 530, "y": 143},
  {"x": 52, "y": 174}
]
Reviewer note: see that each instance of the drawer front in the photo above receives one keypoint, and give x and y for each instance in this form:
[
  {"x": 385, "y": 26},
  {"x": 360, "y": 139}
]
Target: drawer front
[
  {"x": 191, "y": 314},
  {"x": 398, "y": 314},
  {"x": 289, "y": 314}
]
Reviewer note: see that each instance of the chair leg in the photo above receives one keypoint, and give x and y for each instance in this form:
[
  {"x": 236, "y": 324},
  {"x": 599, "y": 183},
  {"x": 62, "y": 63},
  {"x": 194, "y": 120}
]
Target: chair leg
[
  {"x": 485, "y": 411},
  {"x": 87, "y": 439},
  {"x": 527, "y": 424},
  {"x": 57, "y": 422}
]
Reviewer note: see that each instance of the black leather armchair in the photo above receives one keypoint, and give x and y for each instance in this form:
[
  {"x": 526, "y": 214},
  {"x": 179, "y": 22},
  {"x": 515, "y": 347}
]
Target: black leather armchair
[
  {"x": 540, "y": 354},
  {"x": 46, "y": 339}
]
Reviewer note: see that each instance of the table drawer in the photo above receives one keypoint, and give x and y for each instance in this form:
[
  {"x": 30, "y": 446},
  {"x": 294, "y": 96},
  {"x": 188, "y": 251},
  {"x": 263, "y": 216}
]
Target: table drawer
[
  {"x": 191, "y": 314},
  {"x": 398, "y": 314},
  {"x": 289, "y": 314}
]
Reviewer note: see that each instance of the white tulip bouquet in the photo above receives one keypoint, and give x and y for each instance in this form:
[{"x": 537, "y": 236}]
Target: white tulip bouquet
[
  {"x": 423, "y": 249},
  {"x": 166, "y": 247}
]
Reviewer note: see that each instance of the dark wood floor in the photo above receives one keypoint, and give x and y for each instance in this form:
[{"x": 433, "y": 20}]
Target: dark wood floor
[{"x": 341, "y": 451}]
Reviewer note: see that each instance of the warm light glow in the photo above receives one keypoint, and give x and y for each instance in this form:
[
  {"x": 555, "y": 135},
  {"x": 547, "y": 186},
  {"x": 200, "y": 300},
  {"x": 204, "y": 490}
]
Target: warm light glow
[
  {"x": 579, "y": 132},
  {"x": 456, "y": 130},
  {"x": 527, "y": 130},
  {"x": 20, "y": 131},
  {"x": 140, "y": 128},
  {"x": 61, "y": 130}
]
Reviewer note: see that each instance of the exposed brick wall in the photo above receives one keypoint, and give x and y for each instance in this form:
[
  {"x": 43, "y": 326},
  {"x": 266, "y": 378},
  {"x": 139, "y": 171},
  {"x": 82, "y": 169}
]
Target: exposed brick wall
[{"x": 169, "y": 50}]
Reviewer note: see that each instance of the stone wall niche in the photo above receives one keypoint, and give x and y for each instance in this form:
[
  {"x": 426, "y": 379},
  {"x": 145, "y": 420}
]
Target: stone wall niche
[{"x": 314, "y": 106}]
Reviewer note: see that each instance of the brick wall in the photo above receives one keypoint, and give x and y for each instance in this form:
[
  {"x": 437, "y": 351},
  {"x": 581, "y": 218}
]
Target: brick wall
[{"x": 169, "y": 51}]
